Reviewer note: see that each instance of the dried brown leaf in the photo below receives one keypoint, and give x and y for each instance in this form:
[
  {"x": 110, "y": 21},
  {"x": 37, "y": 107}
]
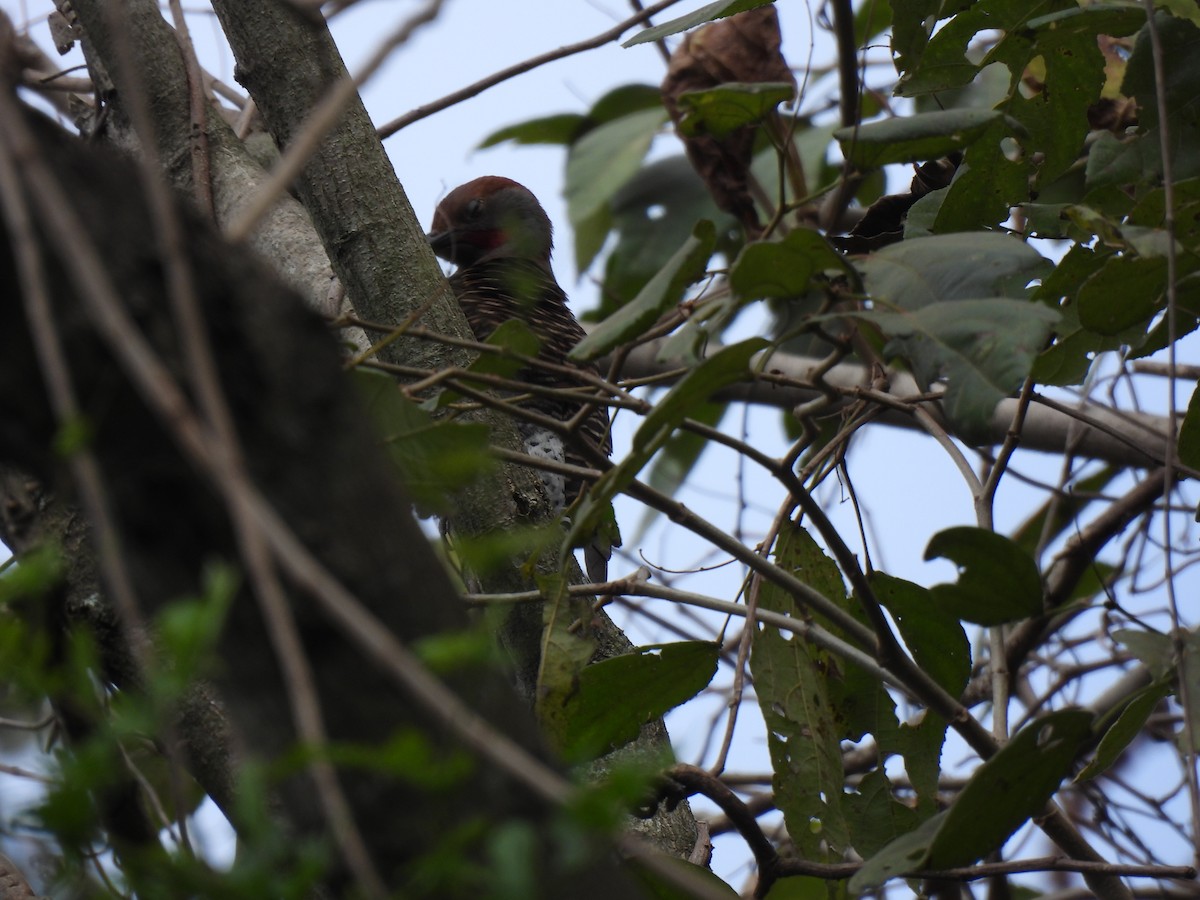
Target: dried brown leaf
[{"x": 743, "y": 48}]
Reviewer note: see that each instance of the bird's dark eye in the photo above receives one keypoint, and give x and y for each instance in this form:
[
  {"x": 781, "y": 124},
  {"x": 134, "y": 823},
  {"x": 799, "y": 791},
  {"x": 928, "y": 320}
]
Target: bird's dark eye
[{"x": 474, "y": 209}]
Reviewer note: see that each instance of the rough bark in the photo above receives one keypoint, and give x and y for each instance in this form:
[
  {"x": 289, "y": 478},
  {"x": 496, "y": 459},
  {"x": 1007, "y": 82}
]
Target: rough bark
[
  {"x": 285, "y": 237},
  {"x": 368, "y": 229},
  {"x": 312, "y": 453}
]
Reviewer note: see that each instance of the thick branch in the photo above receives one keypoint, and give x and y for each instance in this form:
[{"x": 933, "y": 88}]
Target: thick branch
[
  {"x": 1089, "y": 430},
  {"x": 285, "y": 236},
  {"x": 313, "y": 457}
]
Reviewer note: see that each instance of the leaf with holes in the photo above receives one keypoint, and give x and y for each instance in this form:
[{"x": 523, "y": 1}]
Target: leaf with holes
[
  {"x": 793, "y": 681},
  {"x": 1001, "y": 795}
]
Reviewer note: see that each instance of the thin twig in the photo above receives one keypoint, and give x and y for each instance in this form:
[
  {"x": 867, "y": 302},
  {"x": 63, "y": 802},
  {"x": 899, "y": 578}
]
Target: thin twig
[
  {"x": 635, "y": 587},
  {"x": 198, "y": 100},
  {"x": 471, "y": 90},
  {"x": 984, "y": 505},
  {"x": 695, "y": 780},
  {"x": 1179, "y": 634}
]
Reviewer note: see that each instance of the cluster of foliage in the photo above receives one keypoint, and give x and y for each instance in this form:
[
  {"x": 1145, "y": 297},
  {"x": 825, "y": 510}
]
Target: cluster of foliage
[{"x": 1054, "y": 238}]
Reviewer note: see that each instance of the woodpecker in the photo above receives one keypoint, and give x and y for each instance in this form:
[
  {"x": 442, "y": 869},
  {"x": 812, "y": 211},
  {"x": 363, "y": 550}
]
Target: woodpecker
[{"x": 497, "y": 234}]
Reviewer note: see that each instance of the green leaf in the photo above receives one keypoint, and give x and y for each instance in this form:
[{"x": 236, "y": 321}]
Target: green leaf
[
  {"x": 446, "y": 652},
  {"x": 872, "y": 19},
  {"x": 590, "y": 236},
  {"x": 1059, "y": 50},
  {"x": 905, "y": 854},
  {"x": 73, "y": 435},
  {"x": 986, "y": 186},
  {"x": 565, "y": 128},
  {"x": 162, "y": 777},
  {"x": 876, "y": 817},
  {"x": 1189, "y": 432},
  {"x": 618, "y": 696},
  {"x": 727, "y": 366},
  {"x": 1151, "y": 212},
  {"x": 783, "y": 268},
  {"x": 937, "y": 640},
  {"x": 1055, "y": 69},
  {"x": 566, "y": 652},
  {"x": 940, "y": 647},
  {"x": 662, "y": 291},
  {"x": 187, "y": 631},
  {"x": 624, "y": 100},
  {"x": 1125, "y": 292},
  {"x": 943, "y": 60},
  {"x": 1001, "y": 795},
  {"x": 605, "y": 158},
  {"x": 920, "y": 742},
  {"x": 1188, "y": 692},
  {"x": 1179, "y": 39},
  {"x": 718, "y": 10},
  {"x": 657, "y": 887},
  {"x": 914, "y": 273},
  {"x": 38, "y": 572},
  {"x": 985, "y": 348},
  {"x": 1187, "y": 319},
  {"x": 1116, "y": 161},
  {"x": 435, "y": 457},
  {"x": 1004, "y": 792},
  {"x": 912, "y": 22},
  {"x": 653, "y": 214},
  {"x": 998, "y": 581},
  {"x": 513, "y": 336},
  {"x": 792, "y": 680},
  {"x": 1068, "y": 360},
  {"x": 1121, "y": 734},
  {"x": 1154, "y": 650},
  {"x": 556, "y": 129},
  {"x": 913, "y": 138},
  {"x": 722, "y": 110},
  {"x": 1184, "y": 9}
]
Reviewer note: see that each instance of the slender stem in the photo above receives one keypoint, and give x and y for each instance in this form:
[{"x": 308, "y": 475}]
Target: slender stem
[{"x": 1186, "y": 679}]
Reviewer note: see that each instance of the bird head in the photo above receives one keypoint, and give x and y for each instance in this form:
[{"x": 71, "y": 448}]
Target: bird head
[{"x": 490, "y": 218}]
